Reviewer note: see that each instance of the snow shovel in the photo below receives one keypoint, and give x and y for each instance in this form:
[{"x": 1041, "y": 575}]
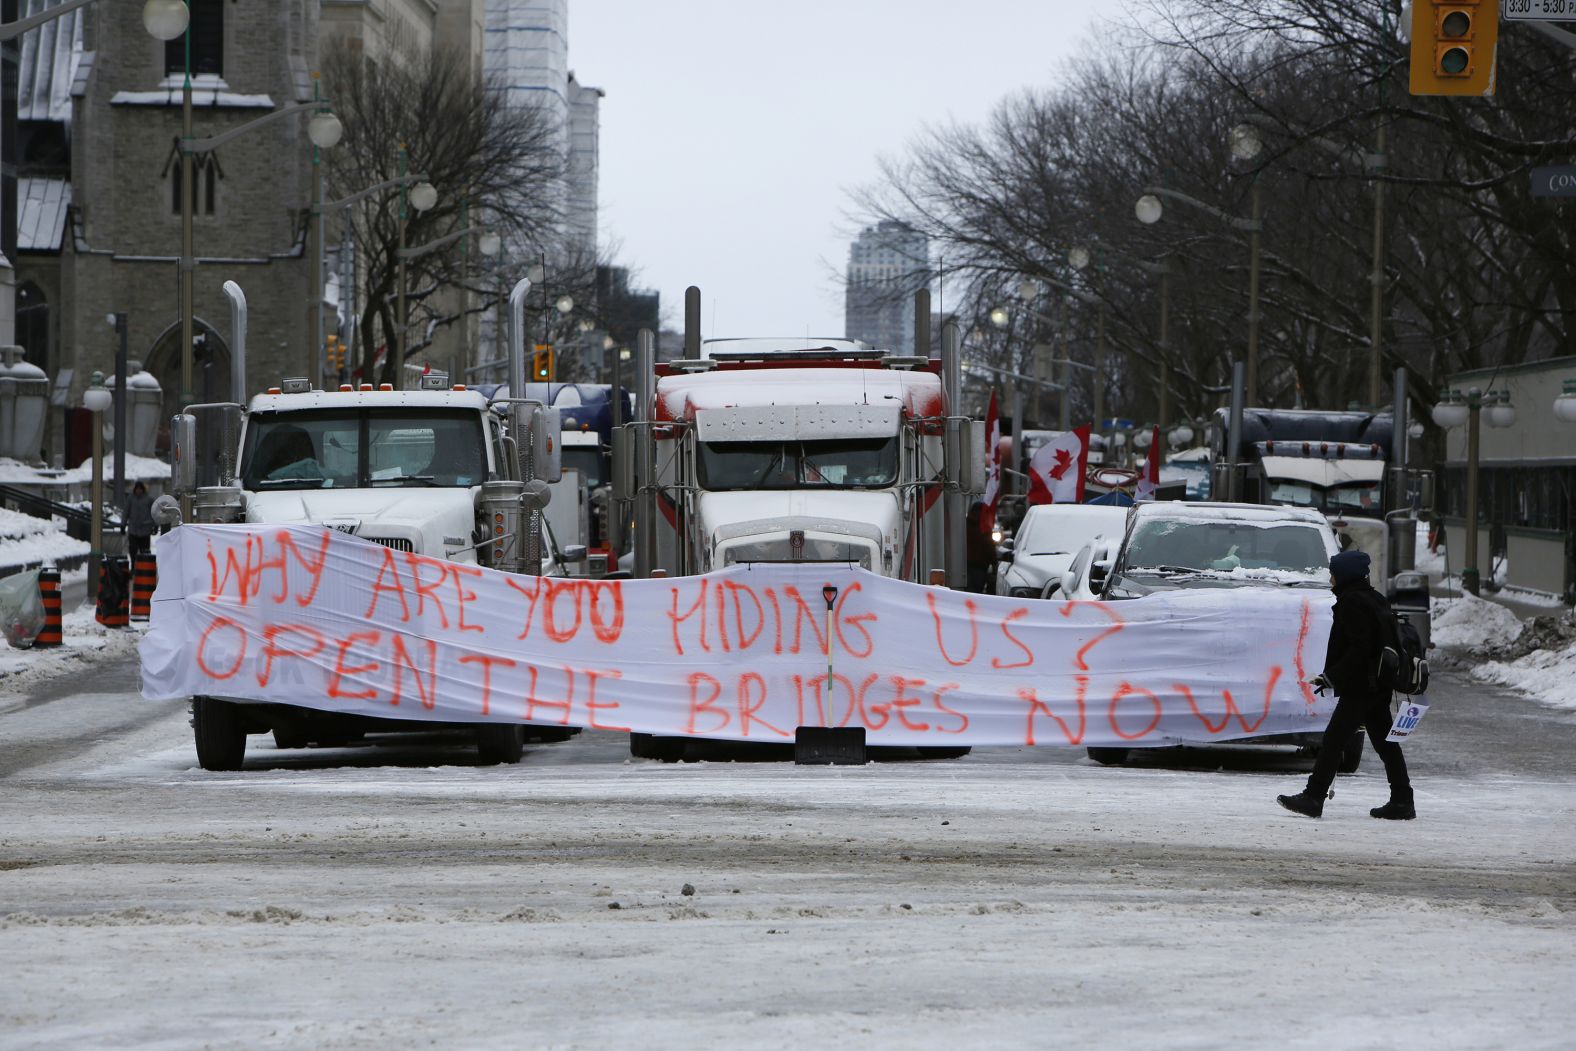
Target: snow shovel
[{"x": 829, "y": 745}]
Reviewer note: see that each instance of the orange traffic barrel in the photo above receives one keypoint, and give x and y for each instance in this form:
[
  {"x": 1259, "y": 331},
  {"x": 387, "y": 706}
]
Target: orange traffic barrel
[
  {"x": 114, "y": 590},
  {"x": 49, "y": 594},
  {"x": 144, "y": 578}
]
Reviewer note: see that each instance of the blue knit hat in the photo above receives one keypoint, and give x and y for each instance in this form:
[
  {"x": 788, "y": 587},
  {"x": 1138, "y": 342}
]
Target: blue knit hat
[{"x": 1349, "y": 566}]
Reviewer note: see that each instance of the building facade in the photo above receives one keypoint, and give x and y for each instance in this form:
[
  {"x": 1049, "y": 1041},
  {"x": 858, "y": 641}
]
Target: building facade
[
  {"x": 887, "y": 264},
  {"x": 1526, "y": 504},
  {"x": 100, "y": 202}
]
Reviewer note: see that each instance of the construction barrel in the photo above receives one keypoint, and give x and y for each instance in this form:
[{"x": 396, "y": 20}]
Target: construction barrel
[
  {"x": 144, "y": 578},
  {"x": 49, "y": 595},
  {"x": 113, "y": 593}
]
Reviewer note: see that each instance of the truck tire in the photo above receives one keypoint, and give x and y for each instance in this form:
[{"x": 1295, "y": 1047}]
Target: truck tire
[
  {"x": 219, "y": 732},
  {"x": 550, "y": 734},
  {"x": 1108, "y": 756},
  {"x": 957, "y": 752},
  {"x": 500, "y": 744},
  {"x": 1352, "y": 754},
  {"x": 650, "y": 746}
]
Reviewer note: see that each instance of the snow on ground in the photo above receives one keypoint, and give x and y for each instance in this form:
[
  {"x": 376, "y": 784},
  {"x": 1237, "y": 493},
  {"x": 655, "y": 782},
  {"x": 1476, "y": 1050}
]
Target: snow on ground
[
  {"x": 25, "y": 540},
  {"x": 1466, "y": 621},
  {"x": 84, "y": 643},
  {"x": 999, "y": 901}
]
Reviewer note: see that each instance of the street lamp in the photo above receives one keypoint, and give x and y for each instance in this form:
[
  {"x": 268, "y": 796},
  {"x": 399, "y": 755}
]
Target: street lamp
[
  {"x": 487, "y": 242},
  {"x": 1180, "y": 435},
  {"x": 1454, "y": 410},
  {"x": 97, "y": 400},
  {"x": 165, "y": 19},
  {"x": 420, "y": 186},
  {"x": 1565, "y": 404},
  {"x": 1245, "y": 144}
]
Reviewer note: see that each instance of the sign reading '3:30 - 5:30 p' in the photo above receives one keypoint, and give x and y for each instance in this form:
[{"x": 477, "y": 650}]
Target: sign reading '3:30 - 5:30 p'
[{"x": 1541, "y": 10}]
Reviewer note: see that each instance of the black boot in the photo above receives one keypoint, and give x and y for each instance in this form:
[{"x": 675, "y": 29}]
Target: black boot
[
  {"x": 1395, "y": 810},
  {"x": 1305, "y": 803}
]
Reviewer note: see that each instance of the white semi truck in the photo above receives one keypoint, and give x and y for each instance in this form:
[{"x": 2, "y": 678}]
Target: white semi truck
[
  {"x": 771, "y": 450},
  {"x": 437, "y": 471}
]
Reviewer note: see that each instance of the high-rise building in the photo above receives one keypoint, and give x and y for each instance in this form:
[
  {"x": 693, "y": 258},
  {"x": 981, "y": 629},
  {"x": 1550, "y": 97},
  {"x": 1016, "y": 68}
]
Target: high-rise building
[
  {"x": 527, "y": 58},
  {"x": 886, "y": 265}
]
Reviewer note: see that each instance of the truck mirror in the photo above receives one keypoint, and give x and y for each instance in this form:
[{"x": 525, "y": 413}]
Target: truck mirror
[
  {"x": 572, "y": 553},
  {"x": 536, "y": 495},
  {"x": 547, "y": 440},
  {"x": 183, "y": 453},
  {"x": 623, "y": 465}
]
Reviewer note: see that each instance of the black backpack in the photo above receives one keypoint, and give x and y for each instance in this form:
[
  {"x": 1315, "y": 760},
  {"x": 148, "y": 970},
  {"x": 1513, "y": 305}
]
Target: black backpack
[{"x": 1403, "y": 666}]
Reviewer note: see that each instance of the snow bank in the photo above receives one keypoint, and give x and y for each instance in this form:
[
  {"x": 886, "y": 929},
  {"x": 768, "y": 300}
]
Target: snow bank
[
  {"x": 1547, "y": 675},
  {"x": 1469, "y": 622},
  {"x": 84, "y": 643},
  {"x": 25, "y": 540}
]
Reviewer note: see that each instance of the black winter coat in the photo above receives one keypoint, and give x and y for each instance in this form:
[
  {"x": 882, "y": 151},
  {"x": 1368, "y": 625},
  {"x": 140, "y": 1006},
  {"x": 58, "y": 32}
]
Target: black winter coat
[{"x": 1362, "y": 628}]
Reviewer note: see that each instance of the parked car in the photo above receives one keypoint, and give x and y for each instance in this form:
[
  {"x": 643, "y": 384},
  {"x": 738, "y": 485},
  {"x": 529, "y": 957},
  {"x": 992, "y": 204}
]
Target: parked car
[
  {"x": 1046, "y": 541},
  {"x": 1172, "y": 545}
]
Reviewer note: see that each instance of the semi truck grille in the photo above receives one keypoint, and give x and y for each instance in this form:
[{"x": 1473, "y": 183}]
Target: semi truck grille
[{"x": 398, "y": 543}]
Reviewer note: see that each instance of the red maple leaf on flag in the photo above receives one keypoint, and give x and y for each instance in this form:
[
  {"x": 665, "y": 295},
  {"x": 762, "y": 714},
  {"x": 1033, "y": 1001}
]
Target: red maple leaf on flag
[{"x": 1064, "y": 460}]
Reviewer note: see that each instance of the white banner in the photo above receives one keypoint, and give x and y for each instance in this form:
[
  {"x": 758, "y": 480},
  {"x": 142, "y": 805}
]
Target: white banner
[{"x": 313, "y": 617}]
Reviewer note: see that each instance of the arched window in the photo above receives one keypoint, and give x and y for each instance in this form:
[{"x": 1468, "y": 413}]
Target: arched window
[{"x": 32, "y": 323}]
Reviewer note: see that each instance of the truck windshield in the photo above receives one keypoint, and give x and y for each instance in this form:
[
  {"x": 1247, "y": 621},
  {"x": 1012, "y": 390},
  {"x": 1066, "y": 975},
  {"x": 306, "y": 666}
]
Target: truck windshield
[
  {"x": 363, "y": 449},
  {"x": 842, "y": 463},
  {"x": 1362, "y": 499}
]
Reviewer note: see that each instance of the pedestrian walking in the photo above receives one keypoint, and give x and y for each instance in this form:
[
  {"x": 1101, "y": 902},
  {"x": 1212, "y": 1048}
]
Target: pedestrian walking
[
  {"x": 1363, "y": 627},
  {"x": 136, "y": 520}
]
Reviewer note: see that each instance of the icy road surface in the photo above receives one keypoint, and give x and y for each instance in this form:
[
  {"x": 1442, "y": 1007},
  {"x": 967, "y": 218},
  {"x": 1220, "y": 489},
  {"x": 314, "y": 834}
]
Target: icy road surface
[{"x": 394, "y": 896}]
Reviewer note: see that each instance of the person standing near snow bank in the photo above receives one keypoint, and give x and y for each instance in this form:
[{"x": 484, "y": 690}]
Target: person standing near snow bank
[
  {"x": 137, "y": 519},
  {"x": 1361, "y": 630}
]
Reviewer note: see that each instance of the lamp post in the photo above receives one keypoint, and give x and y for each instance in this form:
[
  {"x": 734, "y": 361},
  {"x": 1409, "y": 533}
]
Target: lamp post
[
  {"x": 1470, "y": 408},
  {"x": 97, "y": 399},
  {"x": 1245, "y": 145},
  {"x": 421, "y": 187},
  {"x": 422, "y": 197},
  {"x": 1078, "y": 257}
]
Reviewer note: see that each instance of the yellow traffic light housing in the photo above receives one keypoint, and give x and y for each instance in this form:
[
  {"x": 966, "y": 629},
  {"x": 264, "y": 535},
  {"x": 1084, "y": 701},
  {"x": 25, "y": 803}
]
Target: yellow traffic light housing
[
  {"x": 1453, "y": 43},
  {"x": 542, "y": 362}
]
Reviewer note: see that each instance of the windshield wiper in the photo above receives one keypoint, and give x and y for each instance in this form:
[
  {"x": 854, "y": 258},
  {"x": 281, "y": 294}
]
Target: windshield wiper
[
  {"x": 771, "y": 465},
  {"x": 424, "y": 479},
  {"x": 290, "y": 483},
  {"x": 1162, "y": 569}
]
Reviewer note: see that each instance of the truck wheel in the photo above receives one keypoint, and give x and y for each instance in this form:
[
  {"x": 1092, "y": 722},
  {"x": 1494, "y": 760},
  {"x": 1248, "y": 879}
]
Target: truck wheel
[
  {"x": 1108, "y": 756},
  {"x": 220, "y": 734},
  {"x": 1352, "y": 754},
  {"x": 650, "y": 746},
  {"x": 548, "y": 734},
  {"x": 500, "y": 744},
  {"x": 944, "y": 753}
]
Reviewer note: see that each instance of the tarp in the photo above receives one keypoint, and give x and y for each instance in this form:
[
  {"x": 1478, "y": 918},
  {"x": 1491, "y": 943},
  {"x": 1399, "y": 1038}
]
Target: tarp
[{"x": 314, "y": 617}]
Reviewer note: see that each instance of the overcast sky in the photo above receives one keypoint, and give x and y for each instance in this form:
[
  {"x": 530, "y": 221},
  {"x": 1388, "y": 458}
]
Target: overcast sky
[{"x": 732, "y": 130}]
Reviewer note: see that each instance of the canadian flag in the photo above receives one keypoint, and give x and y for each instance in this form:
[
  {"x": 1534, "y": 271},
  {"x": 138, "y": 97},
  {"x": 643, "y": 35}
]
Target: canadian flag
[
  {"x": 1150, "y": 481},
  {"x": 992, "y": 495},
  {"x": 1056, "y": 474}
]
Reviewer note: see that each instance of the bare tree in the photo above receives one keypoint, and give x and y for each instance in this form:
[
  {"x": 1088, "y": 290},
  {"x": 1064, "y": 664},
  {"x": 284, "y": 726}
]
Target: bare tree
[{"x": 490, "y": 162}]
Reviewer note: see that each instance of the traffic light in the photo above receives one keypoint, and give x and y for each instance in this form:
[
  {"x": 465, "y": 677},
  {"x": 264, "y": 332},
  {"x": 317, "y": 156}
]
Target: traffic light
[
  {"x": 542, "y": 362},
  {"x": 1453, "y": 46},
  {"x": 333, "y": 354}
]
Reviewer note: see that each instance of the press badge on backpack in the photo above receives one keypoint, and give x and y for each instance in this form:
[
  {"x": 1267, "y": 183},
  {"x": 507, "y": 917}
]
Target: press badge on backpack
[{"x": 1406, "y": 719}]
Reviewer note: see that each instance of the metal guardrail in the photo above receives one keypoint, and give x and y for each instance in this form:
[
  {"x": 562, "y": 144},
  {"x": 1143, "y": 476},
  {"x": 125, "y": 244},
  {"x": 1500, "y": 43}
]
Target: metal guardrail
[{"x": 79, "y": 522}]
